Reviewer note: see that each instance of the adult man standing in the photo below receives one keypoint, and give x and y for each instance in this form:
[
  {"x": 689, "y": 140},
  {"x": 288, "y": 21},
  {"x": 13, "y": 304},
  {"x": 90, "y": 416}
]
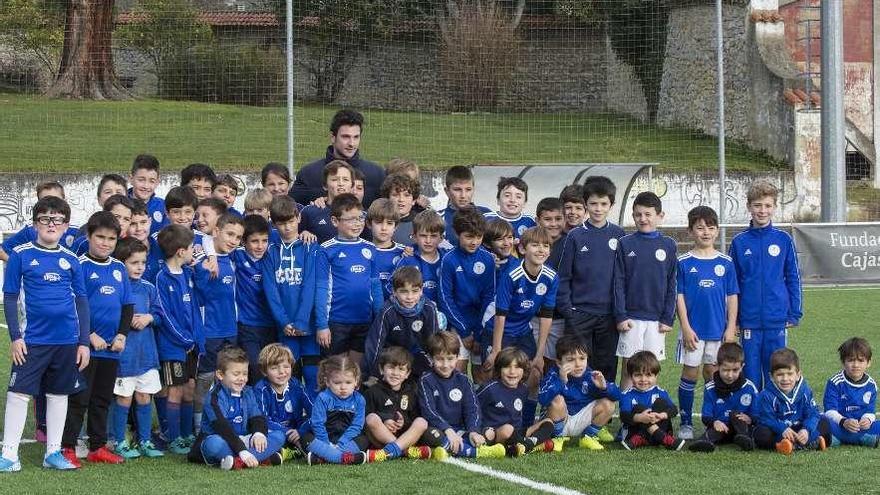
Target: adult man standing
[{"x": 345, "y": 138}]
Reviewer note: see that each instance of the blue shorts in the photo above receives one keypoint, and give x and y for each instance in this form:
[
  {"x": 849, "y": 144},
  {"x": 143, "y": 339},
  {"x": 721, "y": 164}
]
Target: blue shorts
[
  {"x": 344, "y": 338},
  {"x": 305, "y": 345},
  {"x": 208, "y": 360},
  {"x": 525, "y": 343},
  {"x": 49, "y": 369}
]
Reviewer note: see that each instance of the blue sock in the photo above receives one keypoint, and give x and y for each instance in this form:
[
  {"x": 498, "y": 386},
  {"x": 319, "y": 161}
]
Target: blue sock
[
  {"x": 172, "y": 416},
  {"x": 393, "y": 450},
  {"x": 310, "y": 377},
  {"x": 592, "y": 430},
  {"x": 686, "y": 400},
  {"x": 144, "y": 415},
  {"x": 558, "y": 426},
  {"x": 326, "y": 451},
  {"x": 186, "y": 419},
  {"x": 467, "y": 450},
  {"x": 161, "y": 407},
  {"x": 120, "y": 420},
  {"x": 528, "y": 412},
  {"x": 444, "y": 443}
]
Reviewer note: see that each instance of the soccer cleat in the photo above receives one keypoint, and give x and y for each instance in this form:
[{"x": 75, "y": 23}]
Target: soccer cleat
[
  {"x": 744, "y": 442},
  {"x": 634, "y": 441},
  {"x": 672, "y": 443},
  {"x": 7, "y": 466},
  {"x": 588, "y": 442},
  {"x": 785, "y": 446},
  {"x": 159, "y": 440},
  {"x": 354, "y": 457},
  {"x": 275, "y": 459},
  {"x": 515, "y": 450},
  {"x": 558, "y": 443},
  {"x": 57, "y": 460},
  {"x": 439, "y": 454},
  {"x": 189, "y": 441},
  {"x": 231, "y": 462},
  {"x": 546, "y": 446},
  {"x": 104, "y": 456},
  {"x": 496, "y": 451},
  {"x": 819, "y": 444},
  {"x": 178, "y": 446},
  {"x": 702, "y": 445},
  {"x": 686, "y": 432},
  {"x": 288, "y": 454},
  {"x": 376, "y": 455},
  {"x": 70, "y": 455},
  {"x": 313, "y": 459},
  {"x": 604, "y": 435},
  {"x": 147, "y": 449},
  {"x": 126, "y": 451},
  {"x": 419, "y": 452},
  {"x": 40, "y": 435}
]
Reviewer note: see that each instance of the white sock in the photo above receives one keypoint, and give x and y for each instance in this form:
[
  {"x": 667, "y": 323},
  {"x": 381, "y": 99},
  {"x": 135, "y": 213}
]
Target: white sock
[
  {"x": 16, "y": 416},
  {"x": 56, "y": 415}
]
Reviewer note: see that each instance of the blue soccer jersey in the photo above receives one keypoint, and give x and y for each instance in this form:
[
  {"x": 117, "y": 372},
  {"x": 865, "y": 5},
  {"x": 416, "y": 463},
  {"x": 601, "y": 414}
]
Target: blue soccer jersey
[
  {"x": 848, "y": 399},
  {"x": 586, "y": 269},
  {"x": 216, "y": 296},
  {"x": 317, "y": 221},
  {"x": 290, "y": 409},
  {"x": 155, "y": 258},
  {"x": 644, "y": 278},
  {"x": 338, "y": 420},
  {"x": 448, "y": 214},
  {"x": 108, "y": 289},
  {"x": 633, "y": 400},
  {"x": 347, "y": 289},
  {"x": 449, "y": 402},
  {"x": 778, "y": 410},
  {"x": 520, "y": 223},
  {"x": 386, "y": 260},
  {"x": 250, "y": 297},
  {"x": 47, "y": 282},
  {"x": 156, "y": 210},
  {"x": 288, "y": 279},
  {"x": 430, "y": 272},
  {"x": 578, "y": 391},
  {"x": 706, "y": 283},
  {"x": 182, "y": 329},
  {"x": 721, "y": 400},
  {"x": 467, "y": 287},
  {"x": 140, "y": 354},
  {"x": 501, "y": 405},
  {"x": 520, "y": 296}
]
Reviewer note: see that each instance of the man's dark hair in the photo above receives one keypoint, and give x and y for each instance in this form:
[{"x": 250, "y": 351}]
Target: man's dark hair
[
  {"x": 145, "y": 162},
  {"x": 346, "y": 116},
  {"x": 102, "y": 220},
  {"x": 599, "y": 186}
]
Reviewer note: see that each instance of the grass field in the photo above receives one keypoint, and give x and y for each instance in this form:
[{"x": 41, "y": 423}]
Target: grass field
[
  {"x": 831, "y": 316},
  {"x": 42, "y": 135}
]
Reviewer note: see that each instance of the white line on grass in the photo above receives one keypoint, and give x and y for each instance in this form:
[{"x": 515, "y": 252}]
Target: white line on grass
[
  {"x": 512, "y": 478},
  {"x": 838, "y": 288}
]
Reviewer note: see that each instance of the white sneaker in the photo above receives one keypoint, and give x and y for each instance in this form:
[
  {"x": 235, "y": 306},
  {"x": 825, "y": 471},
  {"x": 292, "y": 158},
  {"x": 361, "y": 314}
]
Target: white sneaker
[
  {"x": 227, "y": 462},
  {"x": 686, "y": 432}
]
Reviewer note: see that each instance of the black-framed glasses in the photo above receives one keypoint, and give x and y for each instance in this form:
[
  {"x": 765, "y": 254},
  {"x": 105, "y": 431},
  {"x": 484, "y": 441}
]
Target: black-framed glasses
[{"x": 51, "y": 220}]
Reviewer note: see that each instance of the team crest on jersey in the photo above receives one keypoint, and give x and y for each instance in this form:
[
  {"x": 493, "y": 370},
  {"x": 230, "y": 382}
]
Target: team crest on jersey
[
  {"x": 654, "y": 398},
  {"x": 358, "y": 268},
  {"x": 157, "y": 216},
  {"x": 517, "y": 404},
  {"x": 612, "y": 244},
  {"x": 107, "y": 290},
  {"x": 455, "y": 395},
  {"x": 746, "y": 400},
  {"x": 117, "y": 275},
  {"x": 417, "y": 325},
  {"x": 51, "y": 277},
  {"x": 367, "y": 253},
  {"x": 867, "y": 397},
  {"x": 521, "y": 229},
  {"x": 660, "y": 254},
  {"x": 541, "y": 289},
  {"x": 404, "y": 402},
  {"x": 479, "y": 268},
  {"x": 69, "y": 240},
  {"x": 774, "y": 250},
  {"x": 64, "y": 264},
  {"x": 288, "y": 407},
  {"x": 395, "y": 260},
  {"x": 719, "y": 270}
]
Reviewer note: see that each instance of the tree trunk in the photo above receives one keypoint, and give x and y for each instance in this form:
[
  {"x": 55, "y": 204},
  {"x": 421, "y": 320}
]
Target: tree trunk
[{"x": 87, "y": 56}]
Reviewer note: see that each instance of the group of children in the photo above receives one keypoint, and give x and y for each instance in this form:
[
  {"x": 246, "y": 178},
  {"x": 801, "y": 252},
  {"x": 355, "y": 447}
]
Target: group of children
[{"x": 252, "y": 335}]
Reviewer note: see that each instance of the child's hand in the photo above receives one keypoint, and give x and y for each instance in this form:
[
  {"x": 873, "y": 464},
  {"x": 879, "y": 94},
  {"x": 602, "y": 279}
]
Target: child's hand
[
  {"x": 497, "y": 261},
  {"x": 19, "y": 351},
  {"x": 323, "y": 337},
  {"x": 790, "y": 324},
  {"x": 468, "y": 342},
  {"x": 564, "y": 371},
  {"x": 289, "y": 331},
  {"x": 391, "y": 425},
  {"x": 789, "y": 434},
  {"x": 307, "y": 237},
  {"x": 625, "y": 326},
  {"x": 259, "y": 441},
  {"x": 489, "y": 362},
  {"x": 538, "y": 364},
  {"x": 599, "y": 380},
  {"x": 664, "y": 328},
  {"x": 141, "y": 321},
  {"x": 865, "y": 423},
  {"x": 407, "y": 251},
  {"x": 248, "y": 459},
  {"x": 688, "y": 338},
  {"x": 851, "y": 425},
  {"x": 803, "y": 436},
  {"x": 644, "y": 417},
  {"x": 118, "y": 343},
  {"x": 292, "y": 436},
  {"x": 454, "y": 440},
  {"x": 476, "y": 439},
  {"x": 744, "y": 418},
  {"x": 423, "y": 201},
  {"x": 720, "y": 426},
  {"x": 98, "y": 343},
  {"x": 83, "y": 355},
  {"x": 731, "y": 335},
  {"x": 320, "y": 202}
]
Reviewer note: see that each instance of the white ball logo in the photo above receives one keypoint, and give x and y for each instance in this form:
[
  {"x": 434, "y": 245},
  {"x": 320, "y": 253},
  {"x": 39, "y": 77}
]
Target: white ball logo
[
  {"x": 455, "y": 395},
  {"x": 745, "y": 400},
  {"x": 64, "y": 264},
  {"x": 867, "y": 397},
  {"x": 288, "y": 407},
  {"x": 774, "y": 250},
  {"x": 612, "y": 244},
  {"x": 69, "y": 240},
  {"x": 157, "y": 216},
  {"x": 719, "y": 270},
  {"x": 541, "y": 289},
  {"x": 660, "y": 254},
  {"x": 417, "y": 326},
  {"x": 521, "y": 230},
  {"x": 367, "y": 253},
  {"x": 517, "y": 404},
  {"x": 117, "y": 275},
  {"x": 479, "y": 268}
]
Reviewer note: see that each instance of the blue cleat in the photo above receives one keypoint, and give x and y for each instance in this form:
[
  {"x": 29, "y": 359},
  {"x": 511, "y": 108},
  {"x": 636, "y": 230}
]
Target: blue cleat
[
  {"x": 56, "y": 460},
  {"x": 179, "y": 446},
  {"x": 7, "y": 466}
]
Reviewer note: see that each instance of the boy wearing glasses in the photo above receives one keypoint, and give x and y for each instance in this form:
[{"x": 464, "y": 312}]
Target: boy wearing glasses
[
  {"x": 348, "y": 293},
  {"x": 338, "y": 179}
]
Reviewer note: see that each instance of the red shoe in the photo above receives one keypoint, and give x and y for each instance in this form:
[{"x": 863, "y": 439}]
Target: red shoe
[
  {"x": 354, "y": 458},
  {"x": 70, "y": 455},
  {"x": 238, "y": 464},
  {"x": 419, "y": 452},
  {"x": 104, "y": 456},
  {"x": 634, "y": 442},
  {"x": 547, "y": 446}
]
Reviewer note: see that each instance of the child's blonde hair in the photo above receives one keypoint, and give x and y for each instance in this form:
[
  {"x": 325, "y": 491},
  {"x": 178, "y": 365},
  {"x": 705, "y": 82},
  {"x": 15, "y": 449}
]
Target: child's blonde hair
[
  {"x": 337, "y": 364},
  {"x": 402, "y": 166},
  {"x": 762, "y": 189},
  {"x": 257, "y": 199},
  {"x": 274, "y": 354}
]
